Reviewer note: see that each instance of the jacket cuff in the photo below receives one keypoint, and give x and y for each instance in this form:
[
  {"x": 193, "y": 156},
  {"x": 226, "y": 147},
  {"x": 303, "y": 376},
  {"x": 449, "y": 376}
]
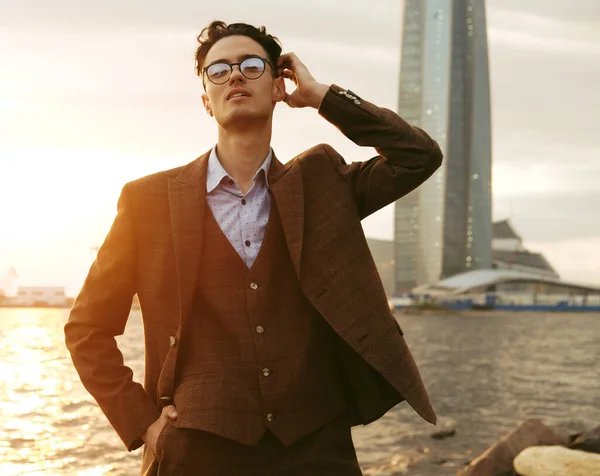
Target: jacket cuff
[{"x": 341, "y": 106}]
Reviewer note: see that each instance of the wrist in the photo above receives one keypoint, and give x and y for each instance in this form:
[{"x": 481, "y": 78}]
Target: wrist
[{"x": 320, "y": 91}]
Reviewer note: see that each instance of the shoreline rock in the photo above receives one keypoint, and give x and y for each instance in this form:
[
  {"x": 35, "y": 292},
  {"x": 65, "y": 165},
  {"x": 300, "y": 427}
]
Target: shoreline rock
[
  {"x": 497, "y": 460},
  {"x": 587, "y": 441},
  {"x": 556, "y": 461}
]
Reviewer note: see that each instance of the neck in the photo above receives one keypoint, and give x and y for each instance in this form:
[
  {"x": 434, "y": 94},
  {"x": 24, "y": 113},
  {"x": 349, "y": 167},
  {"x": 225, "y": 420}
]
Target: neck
[{"x": 242, "y": 152}]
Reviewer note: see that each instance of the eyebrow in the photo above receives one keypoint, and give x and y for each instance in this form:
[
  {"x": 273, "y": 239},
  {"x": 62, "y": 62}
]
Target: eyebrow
[{"x": 239, "y": 58}]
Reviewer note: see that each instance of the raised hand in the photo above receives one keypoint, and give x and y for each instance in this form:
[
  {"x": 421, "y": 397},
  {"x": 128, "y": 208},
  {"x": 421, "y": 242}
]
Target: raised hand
[{"x": 309, "y": 92}]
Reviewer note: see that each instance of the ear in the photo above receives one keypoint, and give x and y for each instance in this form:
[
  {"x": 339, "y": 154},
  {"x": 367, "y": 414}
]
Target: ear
[
  {"x": 206, "y": 103},
  {"x": 278, "y": 89}
]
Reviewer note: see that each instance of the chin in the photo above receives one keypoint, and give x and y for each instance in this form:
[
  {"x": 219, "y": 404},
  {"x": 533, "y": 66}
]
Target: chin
[{"x": 244, "y": 118}]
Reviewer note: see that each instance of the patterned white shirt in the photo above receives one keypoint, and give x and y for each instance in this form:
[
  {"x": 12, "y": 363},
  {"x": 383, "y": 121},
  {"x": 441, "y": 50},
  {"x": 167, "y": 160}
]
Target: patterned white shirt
[{"x": 242, "y": 218}]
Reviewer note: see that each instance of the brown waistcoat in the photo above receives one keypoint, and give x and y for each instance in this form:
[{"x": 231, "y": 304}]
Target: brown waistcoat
[{"x": 255, "y": 354}]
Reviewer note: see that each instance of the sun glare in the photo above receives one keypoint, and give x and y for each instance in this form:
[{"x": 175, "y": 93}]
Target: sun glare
[{"x": 58, "y": 204}]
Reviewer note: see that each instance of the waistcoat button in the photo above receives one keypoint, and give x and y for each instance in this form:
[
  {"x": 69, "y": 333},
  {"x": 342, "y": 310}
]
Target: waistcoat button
[
  {"x": 253, "y": 286},
  {"x": 171, "y": 341},
  {"x": 270, "y": 417},
  {"x": 260, "y": 329},
  {"x": 266, "y": 372}
]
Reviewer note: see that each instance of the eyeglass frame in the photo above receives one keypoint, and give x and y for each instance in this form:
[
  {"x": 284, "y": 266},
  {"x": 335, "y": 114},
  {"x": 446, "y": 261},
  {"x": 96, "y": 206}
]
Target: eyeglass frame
[{"x": 265, "y": 61}]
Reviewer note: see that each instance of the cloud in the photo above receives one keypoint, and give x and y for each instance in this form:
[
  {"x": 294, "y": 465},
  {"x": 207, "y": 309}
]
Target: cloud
[
  {"x": 117, "y": 77},
  {"x": 134, "y": 91},
  {"x": 552, "y": 216},
  {"x": 536, "y": 42},
  {"x": 367, "y": 22},
  {"x": 576, "y": 259},
  {"x": 546, "y": 12}
]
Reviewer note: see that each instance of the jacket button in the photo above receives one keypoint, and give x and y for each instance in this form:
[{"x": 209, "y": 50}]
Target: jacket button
[
  {"x": 270, "y": 417},
  {"x": 171, "y": 341},
  {"x": 253, "y": 286}
]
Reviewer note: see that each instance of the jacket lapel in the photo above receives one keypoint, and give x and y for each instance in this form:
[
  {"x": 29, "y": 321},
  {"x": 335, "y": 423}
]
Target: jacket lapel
[
  {"x": 187, "y": 207},
  {"x": 285, "y": 182}
]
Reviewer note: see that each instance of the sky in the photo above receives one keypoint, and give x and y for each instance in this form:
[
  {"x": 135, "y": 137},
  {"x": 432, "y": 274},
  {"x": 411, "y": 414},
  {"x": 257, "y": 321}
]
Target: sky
[{"x": 94, "y": 94}]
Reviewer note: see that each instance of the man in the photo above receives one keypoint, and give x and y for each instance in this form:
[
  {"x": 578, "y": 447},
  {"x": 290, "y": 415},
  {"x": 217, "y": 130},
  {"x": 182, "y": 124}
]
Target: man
[{"x": 267, "y": 330}]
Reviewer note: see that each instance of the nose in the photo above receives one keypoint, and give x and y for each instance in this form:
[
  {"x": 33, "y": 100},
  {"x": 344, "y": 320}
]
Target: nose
[{"x": 236, "y": 73}]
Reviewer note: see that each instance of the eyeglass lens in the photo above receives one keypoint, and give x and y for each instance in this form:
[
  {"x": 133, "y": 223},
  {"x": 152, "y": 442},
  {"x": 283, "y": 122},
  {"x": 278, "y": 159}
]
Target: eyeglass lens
[{"x": 251, "y": 68}]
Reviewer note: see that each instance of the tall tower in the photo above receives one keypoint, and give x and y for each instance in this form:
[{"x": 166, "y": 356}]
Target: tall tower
[{"x": 445, "y": 226}]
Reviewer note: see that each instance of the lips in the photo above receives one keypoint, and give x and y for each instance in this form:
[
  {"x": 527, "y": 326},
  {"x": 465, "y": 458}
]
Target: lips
[{"x": 237, "y": 92}]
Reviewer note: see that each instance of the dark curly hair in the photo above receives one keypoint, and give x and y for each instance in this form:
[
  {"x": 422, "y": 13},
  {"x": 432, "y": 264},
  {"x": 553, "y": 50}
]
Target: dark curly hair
[{"x": 218, "y": 30}]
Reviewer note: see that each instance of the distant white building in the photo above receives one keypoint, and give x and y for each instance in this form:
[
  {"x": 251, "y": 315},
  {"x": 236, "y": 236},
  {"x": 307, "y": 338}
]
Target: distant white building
[
  {"x": 509, "y": 253},
  {"x": 517, "y": 276},
  {"x": 40, "y": 296},
  {"x": 505, "y": 238}
]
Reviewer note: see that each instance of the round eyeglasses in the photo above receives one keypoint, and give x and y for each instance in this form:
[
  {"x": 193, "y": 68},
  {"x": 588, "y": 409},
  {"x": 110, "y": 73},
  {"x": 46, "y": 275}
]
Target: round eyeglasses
[{"x": 251, "y": 68}]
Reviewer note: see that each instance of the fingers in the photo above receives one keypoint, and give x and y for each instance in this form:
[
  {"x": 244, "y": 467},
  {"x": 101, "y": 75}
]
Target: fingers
[
  {"x": 290, "y": 67},
  {"x": 287, "y": 74},
  {"x": 287, "y": 60},
  {"x": 291, "y": 62},
  {"x": 169, "y": 412},
  {"x": 292, "y": 100}
]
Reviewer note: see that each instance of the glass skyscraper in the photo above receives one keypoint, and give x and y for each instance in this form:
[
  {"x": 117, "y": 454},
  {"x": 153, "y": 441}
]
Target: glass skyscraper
[{"x": 445, "y": 226}]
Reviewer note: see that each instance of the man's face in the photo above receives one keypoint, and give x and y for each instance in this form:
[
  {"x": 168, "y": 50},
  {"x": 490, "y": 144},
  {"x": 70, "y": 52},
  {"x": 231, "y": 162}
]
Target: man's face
[{"x": 260, "y": 95}]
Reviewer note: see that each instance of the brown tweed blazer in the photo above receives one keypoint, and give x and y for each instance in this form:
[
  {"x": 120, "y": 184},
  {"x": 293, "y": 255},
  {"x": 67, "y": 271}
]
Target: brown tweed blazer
[{"x": 154, "y": 249}]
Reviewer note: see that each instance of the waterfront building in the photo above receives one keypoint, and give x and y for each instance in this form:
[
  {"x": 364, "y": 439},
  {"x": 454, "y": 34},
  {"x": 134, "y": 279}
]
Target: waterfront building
[
  {"x": 445, "y": 226},
  {"x": 509, "y": 252},
  {"x": 40, "y": 296}
]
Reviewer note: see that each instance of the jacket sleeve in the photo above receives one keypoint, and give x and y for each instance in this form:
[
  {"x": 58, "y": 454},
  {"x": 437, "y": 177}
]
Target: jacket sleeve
[
  {"x": 100, "y": 313},
  {"x": 407, "y": 155}
]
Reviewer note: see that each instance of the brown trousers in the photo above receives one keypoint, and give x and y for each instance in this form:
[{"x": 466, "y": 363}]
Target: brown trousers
[{"x": 328, "y": 451}]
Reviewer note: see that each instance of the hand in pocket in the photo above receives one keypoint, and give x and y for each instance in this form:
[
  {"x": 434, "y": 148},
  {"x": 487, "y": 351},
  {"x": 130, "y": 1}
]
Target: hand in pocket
[{"x": 151, "y": 435}]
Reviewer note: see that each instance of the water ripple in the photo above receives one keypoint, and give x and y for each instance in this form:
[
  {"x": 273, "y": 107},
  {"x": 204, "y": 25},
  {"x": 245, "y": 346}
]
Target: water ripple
[{"x": 485, "y": 374}]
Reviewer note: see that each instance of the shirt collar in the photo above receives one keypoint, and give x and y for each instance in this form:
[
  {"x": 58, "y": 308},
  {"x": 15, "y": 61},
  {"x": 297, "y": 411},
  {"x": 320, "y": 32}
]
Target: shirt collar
[{"x": 216, "y": 173}]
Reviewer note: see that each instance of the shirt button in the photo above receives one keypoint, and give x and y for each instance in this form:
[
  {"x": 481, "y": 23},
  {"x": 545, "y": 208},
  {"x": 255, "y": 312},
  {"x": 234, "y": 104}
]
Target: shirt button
[
  {"x": 253, "y": 286},
  {"x": 266, "y": 372},
  {"x": 260, "y": 329},
  {"x": 230, "y": 182},
  {"x": 247, "y": 243},
  {"x": 171, "y": 341},
  {"x": 270, "y": 417},
  {"x": 243, "y": 201}
]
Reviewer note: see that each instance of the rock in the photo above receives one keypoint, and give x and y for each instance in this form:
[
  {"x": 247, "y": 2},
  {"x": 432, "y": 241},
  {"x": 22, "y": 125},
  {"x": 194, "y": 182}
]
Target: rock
[
  {"x": 497, "y": 460},
  {"x": 442, "y": 435},
  {"x": 556, "y": 461},
  {"x": 572, "y": 438},
  {"x": 588, "y": 441}
]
